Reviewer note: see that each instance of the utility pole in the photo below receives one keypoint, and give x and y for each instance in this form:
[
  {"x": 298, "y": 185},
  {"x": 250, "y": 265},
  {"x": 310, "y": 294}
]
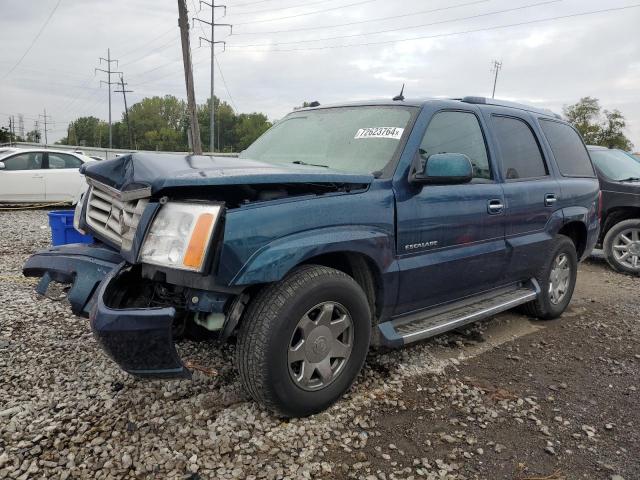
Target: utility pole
[
  {"x": 496, "y": 67},
  {"x": 108, "y": 71},
  {"x": 183, "y": 23},
  {"x": 36, "y": 127},
  {"x": 126, "y": 110},
  {"x": 213, "y": 42},
  {"x": 45, "y": 116}
]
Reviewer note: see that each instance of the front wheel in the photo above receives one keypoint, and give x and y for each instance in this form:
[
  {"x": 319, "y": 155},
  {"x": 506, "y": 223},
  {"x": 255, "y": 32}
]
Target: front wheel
[
  {"x": 303, "y": 341},
  {"x": 622, "y": 246},
  {"x": 557, "y": 280}
]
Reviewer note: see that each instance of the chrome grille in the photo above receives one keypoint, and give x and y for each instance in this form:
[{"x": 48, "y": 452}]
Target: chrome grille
[{"x": 115, "y": 219}]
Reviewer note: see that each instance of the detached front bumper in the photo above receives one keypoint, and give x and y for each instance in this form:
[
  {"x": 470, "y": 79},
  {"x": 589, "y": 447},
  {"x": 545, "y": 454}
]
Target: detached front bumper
[
  {"x": 82, "y": 266},
  {"x": 140, "y": 340}
]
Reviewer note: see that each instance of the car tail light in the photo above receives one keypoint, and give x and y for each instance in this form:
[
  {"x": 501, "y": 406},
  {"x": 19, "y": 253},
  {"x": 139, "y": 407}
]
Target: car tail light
[{"x": 600, "y": 205}]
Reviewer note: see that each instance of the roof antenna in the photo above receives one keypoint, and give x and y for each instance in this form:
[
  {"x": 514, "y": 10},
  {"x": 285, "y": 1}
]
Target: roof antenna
[{"x": 399, "y": 98}]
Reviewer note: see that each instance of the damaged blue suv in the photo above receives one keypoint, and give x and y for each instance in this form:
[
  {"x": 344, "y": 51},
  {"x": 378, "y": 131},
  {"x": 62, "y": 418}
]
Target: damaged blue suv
[{"x": 371, "y": 223}]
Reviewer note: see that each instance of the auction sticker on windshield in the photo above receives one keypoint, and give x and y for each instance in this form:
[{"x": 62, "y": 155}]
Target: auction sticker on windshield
[{"x": 379, "y": 132}]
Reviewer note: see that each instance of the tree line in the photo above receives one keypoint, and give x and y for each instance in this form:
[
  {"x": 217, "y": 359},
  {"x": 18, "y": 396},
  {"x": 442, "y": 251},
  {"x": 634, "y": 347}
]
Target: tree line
[{"x": 161, "y": 123}]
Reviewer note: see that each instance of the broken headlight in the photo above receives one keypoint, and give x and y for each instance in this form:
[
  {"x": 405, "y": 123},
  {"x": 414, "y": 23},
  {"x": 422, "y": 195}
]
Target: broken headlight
[
  {"x": 180, "y": 235},
  {"x": 78, "y": 213}
]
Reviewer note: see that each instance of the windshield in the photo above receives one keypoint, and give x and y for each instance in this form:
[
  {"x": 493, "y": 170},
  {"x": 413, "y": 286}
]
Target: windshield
[
  {"x": 615, "y": 164},
  {"x": 350, "y": 139}
]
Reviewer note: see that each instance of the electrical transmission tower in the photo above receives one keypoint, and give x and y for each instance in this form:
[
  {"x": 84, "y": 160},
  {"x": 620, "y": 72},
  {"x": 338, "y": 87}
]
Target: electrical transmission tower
[
  {"x": 12, "y": 127},
  {"x": 46, "y": 130},
  {"x": 21, "y": 126},
  {"x": 126, "y": 109},
  {"x": 213, "y": 43},
  {"x": 109, "y": 72},
  {"x": 496, "y": 66}
]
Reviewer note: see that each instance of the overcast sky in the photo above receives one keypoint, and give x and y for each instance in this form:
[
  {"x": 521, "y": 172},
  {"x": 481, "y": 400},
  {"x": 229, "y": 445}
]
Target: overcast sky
[{"x": 283, "y": 52}]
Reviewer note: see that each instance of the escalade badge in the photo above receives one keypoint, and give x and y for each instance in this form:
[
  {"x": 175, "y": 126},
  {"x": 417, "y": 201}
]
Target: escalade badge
[{"x": 416, "y": 246}]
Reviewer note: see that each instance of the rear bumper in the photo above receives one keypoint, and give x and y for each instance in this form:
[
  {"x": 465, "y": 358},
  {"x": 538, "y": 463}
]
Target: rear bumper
[{"x": 139, "y": 340}]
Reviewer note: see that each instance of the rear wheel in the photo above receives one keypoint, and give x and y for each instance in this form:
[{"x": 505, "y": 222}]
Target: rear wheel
[
  {"x": 622, "y": 246},
  {"x": 304, "y": 340},
  {"x": 557, "y": 280}
]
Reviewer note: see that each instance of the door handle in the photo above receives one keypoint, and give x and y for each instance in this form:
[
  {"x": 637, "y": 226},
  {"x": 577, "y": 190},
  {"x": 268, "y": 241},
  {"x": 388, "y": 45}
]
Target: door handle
[
  {"x": 550, "y": 199},
  {"x": 495, "y": 206}
]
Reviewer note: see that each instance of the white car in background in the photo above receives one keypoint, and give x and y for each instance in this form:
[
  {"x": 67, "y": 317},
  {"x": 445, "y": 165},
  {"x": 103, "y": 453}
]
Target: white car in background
[{"x": 41, "y": 175}]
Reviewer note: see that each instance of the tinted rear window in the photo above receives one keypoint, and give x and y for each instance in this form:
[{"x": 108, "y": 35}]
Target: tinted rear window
[
  {"x": 569, "y": 151},
  {"x": 521, "y": 156}
]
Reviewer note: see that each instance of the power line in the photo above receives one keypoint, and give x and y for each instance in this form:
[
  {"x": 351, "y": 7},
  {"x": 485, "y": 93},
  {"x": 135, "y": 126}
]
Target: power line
[
  {"x": 359, "y": 22},
  {"x": 33, "y": 42},
  {"x": 298, "y": 5},
  {"x": 164, "y": 46},
  {"x": 250, "y": 3},
  {"x": 390, "y": 30},
  {"x": 224, "y": 82},
  {"x": 362, "y": 2},
  {"x": 140, "y": 47},
  {"x": 450, "y": 34}
]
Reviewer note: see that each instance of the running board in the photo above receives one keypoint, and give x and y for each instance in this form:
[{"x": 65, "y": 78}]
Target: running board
[{"x": 421, "y": 325}]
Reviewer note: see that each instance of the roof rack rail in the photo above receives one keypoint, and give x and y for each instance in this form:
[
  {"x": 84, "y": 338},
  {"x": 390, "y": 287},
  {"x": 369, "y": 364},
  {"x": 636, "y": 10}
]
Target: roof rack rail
[{"x": 505, "y": 103}]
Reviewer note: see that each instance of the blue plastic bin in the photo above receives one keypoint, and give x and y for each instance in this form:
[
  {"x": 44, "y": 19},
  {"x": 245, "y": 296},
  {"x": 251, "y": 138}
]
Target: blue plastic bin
[{"x": 62, "y": 231}]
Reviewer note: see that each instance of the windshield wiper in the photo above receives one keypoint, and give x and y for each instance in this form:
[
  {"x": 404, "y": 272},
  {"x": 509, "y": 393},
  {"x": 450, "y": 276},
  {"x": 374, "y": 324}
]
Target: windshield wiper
[
  {"x": 300, "y": 162},
  {"x": 630, "y": 179}
]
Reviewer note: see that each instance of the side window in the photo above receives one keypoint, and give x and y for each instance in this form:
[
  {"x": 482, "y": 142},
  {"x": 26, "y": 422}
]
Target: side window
[
  {"x": 63, "y": 160},
  {"x": 24, "y": 161},
  {"x": 457, "y": 132},
  {"x": 521, "y": 156},
  {"x": 569, "y": 151}
]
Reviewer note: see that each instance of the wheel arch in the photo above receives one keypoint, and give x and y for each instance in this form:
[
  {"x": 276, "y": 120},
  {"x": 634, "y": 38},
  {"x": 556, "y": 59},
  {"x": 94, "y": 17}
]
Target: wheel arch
[
  {"x": 577, "y": 232},
  {"x": 617, "y": 215},
  {"x": 362, "y": 252}
]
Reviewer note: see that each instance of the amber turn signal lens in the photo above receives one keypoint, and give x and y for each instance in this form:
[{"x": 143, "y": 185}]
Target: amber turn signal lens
[{"x": 196, "y": 250}]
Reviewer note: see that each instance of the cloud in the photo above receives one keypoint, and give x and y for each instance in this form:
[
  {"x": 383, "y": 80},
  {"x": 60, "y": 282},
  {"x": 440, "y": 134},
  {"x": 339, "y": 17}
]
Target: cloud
[{"x": 550, "y": 64}]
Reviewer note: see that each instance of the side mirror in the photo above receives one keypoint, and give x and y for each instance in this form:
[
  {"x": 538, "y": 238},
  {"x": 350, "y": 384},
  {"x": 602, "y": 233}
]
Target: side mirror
[
  {"x": 443, "y": 169},
  {"x": 2, "y": 166}
]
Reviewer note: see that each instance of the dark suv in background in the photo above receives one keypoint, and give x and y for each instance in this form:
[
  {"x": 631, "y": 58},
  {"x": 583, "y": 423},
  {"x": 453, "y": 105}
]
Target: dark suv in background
[
  {"x": 380, "y": 222},
  {"x": 619, "y": 174}
]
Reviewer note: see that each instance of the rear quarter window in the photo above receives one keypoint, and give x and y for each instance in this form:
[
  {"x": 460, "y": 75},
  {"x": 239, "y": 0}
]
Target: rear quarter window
[{"x": 567, "y": 147}]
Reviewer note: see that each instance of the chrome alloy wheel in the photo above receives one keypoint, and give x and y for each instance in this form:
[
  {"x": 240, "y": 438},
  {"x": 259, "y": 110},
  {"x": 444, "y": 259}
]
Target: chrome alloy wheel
[
  {"x": 626, "y": 248},
  {"x": 320, "y": 346},
  {"x": 559, "y": 278}
]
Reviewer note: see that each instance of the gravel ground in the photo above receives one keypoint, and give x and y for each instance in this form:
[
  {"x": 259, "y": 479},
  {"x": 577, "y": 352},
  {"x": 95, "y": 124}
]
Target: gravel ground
[{"x": 509, "y": 398}]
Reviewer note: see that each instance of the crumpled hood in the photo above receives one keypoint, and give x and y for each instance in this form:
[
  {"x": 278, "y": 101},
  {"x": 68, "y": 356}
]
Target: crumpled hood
[{"x": 161, "y": 171}]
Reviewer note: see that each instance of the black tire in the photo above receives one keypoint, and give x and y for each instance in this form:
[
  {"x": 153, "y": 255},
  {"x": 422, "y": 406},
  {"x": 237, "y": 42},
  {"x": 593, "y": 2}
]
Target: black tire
[
  {"x": 608, "y": 244},
  {"x": 266, "y": 333},
  {"x": 543, "y": 307}
]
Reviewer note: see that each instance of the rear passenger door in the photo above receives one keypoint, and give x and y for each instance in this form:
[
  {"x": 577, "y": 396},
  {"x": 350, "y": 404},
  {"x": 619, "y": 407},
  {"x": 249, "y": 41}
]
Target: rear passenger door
[
  {"x": 450, "y": 238},
  {"x": 531, "y": 192}
]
